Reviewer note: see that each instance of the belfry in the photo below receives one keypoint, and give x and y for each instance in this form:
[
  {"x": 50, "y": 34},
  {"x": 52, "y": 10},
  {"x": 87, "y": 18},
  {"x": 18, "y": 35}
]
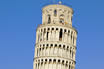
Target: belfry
[{"x": 55, "y": 46}]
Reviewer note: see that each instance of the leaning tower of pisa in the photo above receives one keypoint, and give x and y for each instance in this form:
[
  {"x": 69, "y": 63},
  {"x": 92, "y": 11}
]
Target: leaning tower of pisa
[{"x": 55, "y": 46}]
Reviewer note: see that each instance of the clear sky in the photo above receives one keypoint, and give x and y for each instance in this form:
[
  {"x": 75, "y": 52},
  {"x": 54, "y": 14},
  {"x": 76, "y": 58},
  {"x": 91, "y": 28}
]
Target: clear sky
[{"x": 20, "y": 18}]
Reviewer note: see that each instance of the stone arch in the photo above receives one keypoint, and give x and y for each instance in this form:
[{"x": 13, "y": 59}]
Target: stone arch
[
  {"x": 50, "y": 60},
  {"x": 48, "y": 29},
  {"x": 67, "y": 48},
  {"x": 53, "y": 28},
  {"x": 54, "y": 60},
  {"x": 59, "y": 61},
  {"x": 51, "y": 45},
  {"x": 55, "y": 45},
  {"x": 57, "y": 28}
]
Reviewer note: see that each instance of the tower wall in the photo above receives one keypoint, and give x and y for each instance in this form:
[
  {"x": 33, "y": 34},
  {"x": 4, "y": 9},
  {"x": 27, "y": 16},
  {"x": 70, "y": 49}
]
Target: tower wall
[
  {"x": 55, "y": 40},
  {"x": 57, "y": 13}
]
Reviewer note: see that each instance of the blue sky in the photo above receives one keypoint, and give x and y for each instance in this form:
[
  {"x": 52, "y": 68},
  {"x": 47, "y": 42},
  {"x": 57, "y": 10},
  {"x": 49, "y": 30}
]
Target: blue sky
[{"x": 20, "y": 18}]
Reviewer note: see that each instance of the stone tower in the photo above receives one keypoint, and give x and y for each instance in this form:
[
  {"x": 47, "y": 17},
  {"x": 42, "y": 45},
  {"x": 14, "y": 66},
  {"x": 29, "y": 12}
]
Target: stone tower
[{"x": 55, "y": 39}]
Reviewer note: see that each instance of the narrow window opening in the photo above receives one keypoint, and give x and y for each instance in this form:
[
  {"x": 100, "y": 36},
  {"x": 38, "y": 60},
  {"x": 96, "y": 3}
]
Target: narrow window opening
[
  {"x": 63, "y": 62},
  {"x": 47, "y": 35},
  {"x": 51, "y": 44},
  {"x": 40, "y": 49},
  {"x": 68, "y": 32},
  {"x": 58, "y": 61},
  {"x": 50, "y": 60},
  {"x": 47, "y": 45},
  {"x": 45, "y": 60},
  {"x": 41, "y": 60},
  {"x": 43, "y": 46},
  {"x": 48, "y": 28},
  {"x": 69, "y": 66},
  {"x": 49, "y": 19},
  {"x": 60, "y": 35},
  {"x": 41, "y": 63},
  {"x": 59, "y": 46},
  {"x": 70, "y": 51},
  {"x": 73, "y": 40},
  {"x": 64, "y": 46},
  {"x": 55, "y": 45},
  {"x": 65, "y": 30},
  {"x": 54, "y": 60},
  {"x": 55, "y": 12},
  {"x": 71, "y": 35},
  {"x": 67, "y": 48}
]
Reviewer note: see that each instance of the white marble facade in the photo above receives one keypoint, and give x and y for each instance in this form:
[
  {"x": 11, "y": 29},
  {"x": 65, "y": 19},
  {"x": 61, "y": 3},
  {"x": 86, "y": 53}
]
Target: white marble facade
[{"x": 55, "y": 46}]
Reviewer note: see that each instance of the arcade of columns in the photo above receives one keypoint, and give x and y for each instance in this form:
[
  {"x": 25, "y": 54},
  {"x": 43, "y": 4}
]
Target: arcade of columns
[{"x": 55, "y": 46}]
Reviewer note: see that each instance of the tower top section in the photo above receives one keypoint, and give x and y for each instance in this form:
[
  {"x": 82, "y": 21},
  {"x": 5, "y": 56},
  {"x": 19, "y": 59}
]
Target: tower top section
[
  {"x": 57, "y": 6},
  {"x": 57, "y": 14}
]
